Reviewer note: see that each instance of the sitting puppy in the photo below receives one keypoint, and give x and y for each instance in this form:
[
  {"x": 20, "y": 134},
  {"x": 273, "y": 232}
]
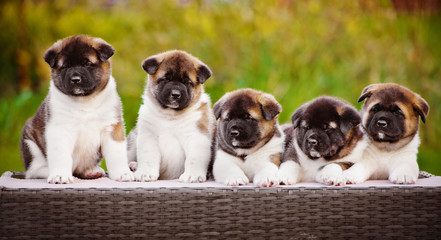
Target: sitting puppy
[
  {"x": 249, "y": 139},
  {"x": 390, "y": 119},
  {"x": 173, "y": 136},
  {"x": 322, "y": 141},
  {"x": 80, "y": 121}
]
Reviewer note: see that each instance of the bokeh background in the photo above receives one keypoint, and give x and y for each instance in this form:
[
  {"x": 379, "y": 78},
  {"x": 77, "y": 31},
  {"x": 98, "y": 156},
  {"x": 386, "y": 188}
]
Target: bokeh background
[{"x": 296, "y": 50}]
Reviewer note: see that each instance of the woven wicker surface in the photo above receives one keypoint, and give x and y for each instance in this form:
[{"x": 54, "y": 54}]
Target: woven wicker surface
[{"x": 399, "y": 212}]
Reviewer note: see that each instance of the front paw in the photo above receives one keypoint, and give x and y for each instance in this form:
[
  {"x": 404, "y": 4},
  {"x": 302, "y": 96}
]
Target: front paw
[
  {"x": 402, "y": 178},
  {"x": 287, "y": 177},
  {"x": 193, "y": 177},
  {"x": 264, "y": 180},
  {"x": 331, "y": 174},
  {"x": 352, "y": 177},
  {"x": 60, "y": 179},
  {"x": 146, "y": 176},
  {"x": 93, "y": 172},
  {"x": 122, "y": 176},
  {"x": 237, "y": 181}
]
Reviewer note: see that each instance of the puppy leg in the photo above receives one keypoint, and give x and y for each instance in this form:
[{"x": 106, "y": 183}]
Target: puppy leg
[
  {"x": 227, "y": 170},
  {"x": 405, "y": 169},
  {"x": 59, "y": 149},
  {"x": 148, "y": 156},
  {"x": 358, "y": 173},
  {"x": 115, "y": 152},
  {"x": 289, "y": 173},
  {"x": 263, "y": 171},
  {"x": 331, "y": 174},
  {"x": 198, "y": 153},
  {"x": 38, "y": 167}
]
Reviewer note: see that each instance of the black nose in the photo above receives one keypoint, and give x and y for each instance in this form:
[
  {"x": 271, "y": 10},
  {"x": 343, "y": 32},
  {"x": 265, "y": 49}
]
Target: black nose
[
  {"x": 234, "y": 132},
  {"x": 175, "y": 94},
  {"x": 76, "y": 79},
  {"x": 312, "y": 141},
  {"x": 382, "y": 123}
]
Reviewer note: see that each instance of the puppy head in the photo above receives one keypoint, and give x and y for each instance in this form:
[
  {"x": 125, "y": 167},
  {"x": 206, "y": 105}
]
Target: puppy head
[
  {"x": 80, "y": 64},
  {"x": 391, "y": 113},
  {"x": 176, "y": 78},
  {"x": 322, "y": 126},
  {"x": 246, "y": 117}
]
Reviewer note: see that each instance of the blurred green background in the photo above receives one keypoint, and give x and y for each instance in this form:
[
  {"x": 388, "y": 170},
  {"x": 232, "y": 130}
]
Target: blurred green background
[{"x": 296, "y": 50}]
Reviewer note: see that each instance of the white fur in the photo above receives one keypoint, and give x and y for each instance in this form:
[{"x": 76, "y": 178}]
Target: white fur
[
  {"x": 319, "y": 169},
  {"x": 257, "y": 166},
  {"x": 169, "y": 144},
  {"x": 76, "y": 129},
  {"x": 399, "y": 166}
]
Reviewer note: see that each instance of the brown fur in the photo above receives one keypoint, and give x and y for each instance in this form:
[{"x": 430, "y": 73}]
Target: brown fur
[
  {"x": 345, "y": 165},
  {"x": 118, "y": 132},
  {"x": 275, "y": 159},
  {"x": 352, "y": 138},
  {"x": 34, "y": 130}
]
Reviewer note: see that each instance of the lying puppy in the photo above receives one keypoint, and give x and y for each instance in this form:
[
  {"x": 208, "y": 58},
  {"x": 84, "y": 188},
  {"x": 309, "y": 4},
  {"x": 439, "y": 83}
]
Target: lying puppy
[
  {"x": 80, "y": 121},
  {"x": 173, "y": 136},
  {"x": 390, "y": 119},
  {"x": 322, "y": 141},
  {"x": 249, "y": 139}
]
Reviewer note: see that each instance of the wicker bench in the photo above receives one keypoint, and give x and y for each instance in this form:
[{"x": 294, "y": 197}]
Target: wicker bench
[{"x": 105, "y": 209}]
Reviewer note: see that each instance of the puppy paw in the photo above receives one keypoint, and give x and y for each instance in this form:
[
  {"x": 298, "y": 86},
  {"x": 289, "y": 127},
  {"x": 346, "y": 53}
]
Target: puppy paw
[
  {"x": 133, "y": 166},
  {"x": 287, "y": 180},
  {"x": 192, "y": 177},
  {"x": 352, "y": 178},
  {"x": 94, "y": 172},
  {"x": 402, "y": 178},
  {"x": 146, "y": 176},
  {"x": 266, "y": 181},
  {"x": 237, "y": 181},
  {"x": 331, "y": 174},
  {"x": 122, "y": 176},
  {"x": 60, "y": 179},
  {"x": 286, "y": 177}
]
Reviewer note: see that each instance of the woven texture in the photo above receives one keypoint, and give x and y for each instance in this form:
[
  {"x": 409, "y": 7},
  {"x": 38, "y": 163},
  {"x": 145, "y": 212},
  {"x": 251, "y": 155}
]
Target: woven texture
[{"x": 401, "y": 212}]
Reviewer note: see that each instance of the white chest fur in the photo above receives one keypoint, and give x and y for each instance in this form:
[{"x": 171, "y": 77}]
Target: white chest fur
[{"x": 80, "y": 122}]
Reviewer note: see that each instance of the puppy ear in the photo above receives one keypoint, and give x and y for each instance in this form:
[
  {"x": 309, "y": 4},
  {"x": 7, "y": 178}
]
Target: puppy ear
[
  {"x": 50, "y": 57},
  {"x": 103, "y": 49},
  {"x": 203, "y": 73},
  {"x": 349, "y": 118},
  {"x": 218, "y": 107},
  {"x": 269, "y": 106},
  {"x": 151, "y": 65},
  {"x": 368, "y": 91},
  {"x": 52, "y": 53},
  {"x": 296, "y": 116},
  {"x": 421, "y": 107}
]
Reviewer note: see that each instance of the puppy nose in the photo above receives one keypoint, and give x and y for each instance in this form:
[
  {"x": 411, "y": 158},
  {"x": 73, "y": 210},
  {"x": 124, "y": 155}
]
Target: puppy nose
[
  {"x": 234, "y": 132},
  {"x": 75, "y": 79},
  {"x": 175, "y": 94},
  {"x": 312, "y": 141},
  {"x": 382, "y": 123}
]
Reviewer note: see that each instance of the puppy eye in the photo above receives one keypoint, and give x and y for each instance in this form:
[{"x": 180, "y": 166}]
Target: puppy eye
[
  {"x": 398, "y": 112},
  {"x": 190, "y": 83},
  {"x": 86, "y": 63},
  {"x": 227, "y": 119},
  {"x": 64, "y": 66},
  {"x": 375, "y": 109}
]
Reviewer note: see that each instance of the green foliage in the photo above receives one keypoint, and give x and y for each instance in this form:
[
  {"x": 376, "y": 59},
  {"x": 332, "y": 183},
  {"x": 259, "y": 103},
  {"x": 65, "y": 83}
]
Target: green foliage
[{"x": 296, "y": 50}]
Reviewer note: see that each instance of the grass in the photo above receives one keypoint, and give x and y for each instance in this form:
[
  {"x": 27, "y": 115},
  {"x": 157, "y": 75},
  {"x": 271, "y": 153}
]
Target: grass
[{"x": 295, "y": 50}]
